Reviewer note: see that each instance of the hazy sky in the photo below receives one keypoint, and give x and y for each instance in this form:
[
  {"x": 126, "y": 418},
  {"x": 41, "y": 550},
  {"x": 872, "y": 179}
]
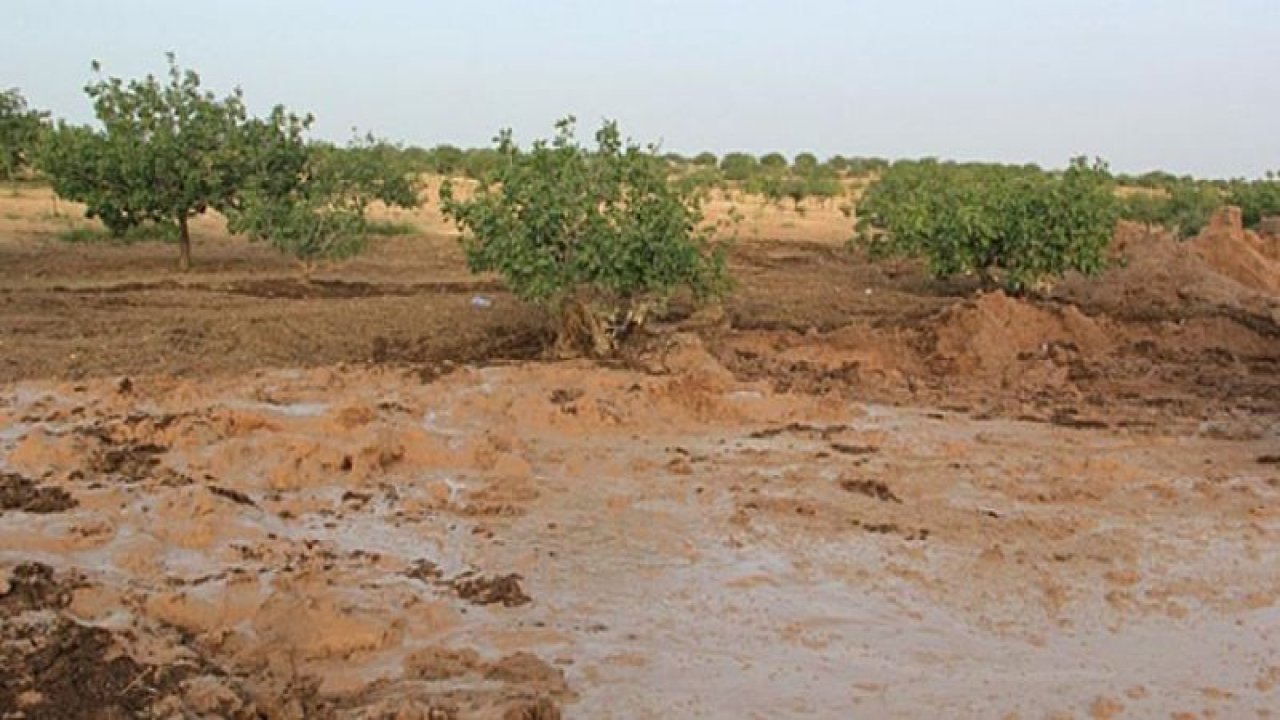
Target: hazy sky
[{"x": 1187, "y": 85}]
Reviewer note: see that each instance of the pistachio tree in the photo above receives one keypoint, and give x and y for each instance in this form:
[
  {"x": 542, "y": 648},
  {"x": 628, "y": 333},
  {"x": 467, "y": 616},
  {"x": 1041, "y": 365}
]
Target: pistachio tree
[
  {"x": 601, "y": 236},
  {"x": 167, "y": 151},
  {"x": 20, "y": 128}
]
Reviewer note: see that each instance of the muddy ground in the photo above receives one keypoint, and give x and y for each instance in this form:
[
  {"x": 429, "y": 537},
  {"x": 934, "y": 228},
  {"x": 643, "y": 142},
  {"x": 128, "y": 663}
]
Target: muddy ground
[{"x": 853, "y": 492}]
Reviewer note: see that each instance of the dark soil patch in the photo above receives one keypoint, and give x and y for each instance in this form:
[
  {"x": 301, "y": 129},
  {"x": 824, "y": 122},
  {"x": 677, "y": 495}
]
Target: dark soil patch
[
  {"x": 1070, "y": 420},
  {"x": 33, "y": 586},
  {"x": 826, "y": 433},
  {"x": 424, "y": 570},
  {"x": 854, "y": 449},
  {"x": 298, "y": 289},
  {"x": 23, "y": 494},
  {"x": 234, "y": 496},
  {"x": 67, "y": 671},
  {"x": 872, "y": 489},
  {"x": 130, "y": 462},
  {"x": 482, "y": 590}
]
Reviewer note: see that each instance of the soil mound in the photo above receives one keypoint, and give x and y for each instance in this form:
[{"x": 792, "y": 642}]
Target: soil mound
[
  {"x": 1153, "y": 276},
  {"x": 996, "y": 336},
  {"x": 1246, "y": 257}
]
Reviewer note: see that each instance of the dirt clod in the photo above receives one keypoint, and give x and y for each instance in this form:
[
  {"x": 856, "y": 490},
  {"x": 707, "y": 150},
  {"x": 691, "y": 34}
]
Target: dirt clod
[
  {"x": 23, "y": 494},
  {"x": 871, "y": 488},
  {"x": 233, "y": 495},
  {"x": 491, "y": 590}
]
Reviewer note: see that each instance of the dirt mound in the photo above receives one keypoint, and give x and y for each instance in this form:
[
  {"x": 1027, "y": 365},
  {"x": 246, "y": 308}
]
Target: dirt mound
[
  {"x": 1154, "y": 276},
  {"x": 1269, "y": 229},
  {"x": 1243, "y": 256},
  {"x": 995, "y": 336}
]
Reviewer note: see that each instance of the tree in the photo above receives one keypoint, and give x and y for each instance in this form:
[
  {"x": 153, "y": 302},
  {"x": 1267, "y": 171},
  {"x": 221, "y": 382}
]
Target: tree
[
  {"x": 805, "y": 163},
  {"x": 20, "y": 129},
  {"x": 311, "y": 200},
  {"x": 1258, "y": 199},
  {"x": 1026, "y": 225},
  {"x": 600, "y": 236},
  {"x": 705, "y": 159},
  {"x": 774, "y": 161},
  {"x": 479, "y": 162},
  {"x": 838, "y": 163},
  {"x": 166, "y": 152},
  {"x": 738, "y": 167},
  {"x": 447, "y": 159},
  {"x": 1183, "y": 206}
]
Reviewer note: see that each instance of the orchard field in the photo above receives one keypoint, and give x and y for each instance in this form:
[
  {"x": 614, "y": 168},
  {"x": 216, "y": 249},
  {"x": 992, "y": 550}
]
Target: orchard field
[
  {"x": 909, "y": 479},
  {"x": 856, "y": 488}
]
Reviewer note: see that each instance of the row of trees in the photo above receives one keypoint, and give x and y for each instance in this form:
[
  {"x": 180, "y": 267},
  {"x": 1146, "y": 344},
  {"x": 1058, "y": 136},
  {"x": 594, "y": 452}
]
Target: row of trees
[
  {"x": 1015, "y": 226},
  {"x": 1184, "y": 204},
  {"x": 166, "y": 151},
  {"x": 601, "y": 235},
  {"x": 20, "y": 131},
  {"x": 734, "y": 167}
]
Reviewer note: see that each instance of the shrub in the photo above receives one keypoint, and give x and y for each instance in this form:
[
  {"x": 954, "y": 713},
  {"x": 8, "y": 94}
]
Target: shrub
[
  {"x": 739, "y": 167},
  {"x": 20, "y": 129},
  {"x": 1183, "y": 207},
  {"x": 310, "y": 200},
  {"x": 1257, "y": 199},
  {"x": 600, "y": 236},
  {"x": 773, "y": 161},
  {"x": 805, "y": 163},
  {"x": 700, "y": 179},
  {"x": 1018, "y": 224},
  {"x": 479, "y": 162},
  {"x": 447, "y": 159}
]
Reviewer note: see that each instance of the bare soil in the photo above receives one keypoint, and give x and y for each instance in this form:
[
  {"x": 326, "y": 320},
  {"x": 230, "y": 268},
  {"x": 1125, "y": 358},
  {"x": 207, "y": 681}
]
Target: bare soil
[{"x": 850, "y": 492}]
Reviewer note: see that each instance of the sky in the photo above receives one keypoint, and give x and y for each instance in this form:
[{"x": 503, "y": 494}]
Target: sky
[{"x": 1190, "y": 86}]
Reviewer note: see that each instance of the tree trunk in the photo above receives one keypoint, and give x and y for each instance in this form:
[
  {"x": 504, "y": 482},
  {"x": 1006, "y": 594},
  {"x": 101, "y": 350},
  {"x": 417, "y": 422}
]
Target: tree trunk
[{"x": 184, "y": 244}]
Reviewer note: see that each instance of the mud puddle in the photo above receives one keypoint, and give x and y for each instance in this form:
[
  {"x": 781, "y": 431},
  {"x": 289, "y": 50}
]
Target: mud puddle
[{"x": 546, "y": 538}]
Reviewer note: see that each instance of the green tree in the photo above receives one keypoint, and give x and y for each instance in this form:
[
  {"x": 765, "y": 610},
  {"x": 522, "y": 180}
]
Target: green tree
[
  {"x": 1257, "y": 199},
  {"x": 705, "y": 159},
  {"x": 774, "y": 161},
  {"x": 600, "y": 236},
  {"x": 1022, "y": 224},
  {"x": 739, "y": 167},
  {"x": 479, "y": 162},
  {"x": 167, "y": 151},
  {"x": 20, "y": 129},
  {"x": 447, "y": 159},
  {"x": 1182, "y": 206},
  {"x": 805, "y": 163},
  {"x": 838, "y": 163},
  {"x": 310, "y": 201}
]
